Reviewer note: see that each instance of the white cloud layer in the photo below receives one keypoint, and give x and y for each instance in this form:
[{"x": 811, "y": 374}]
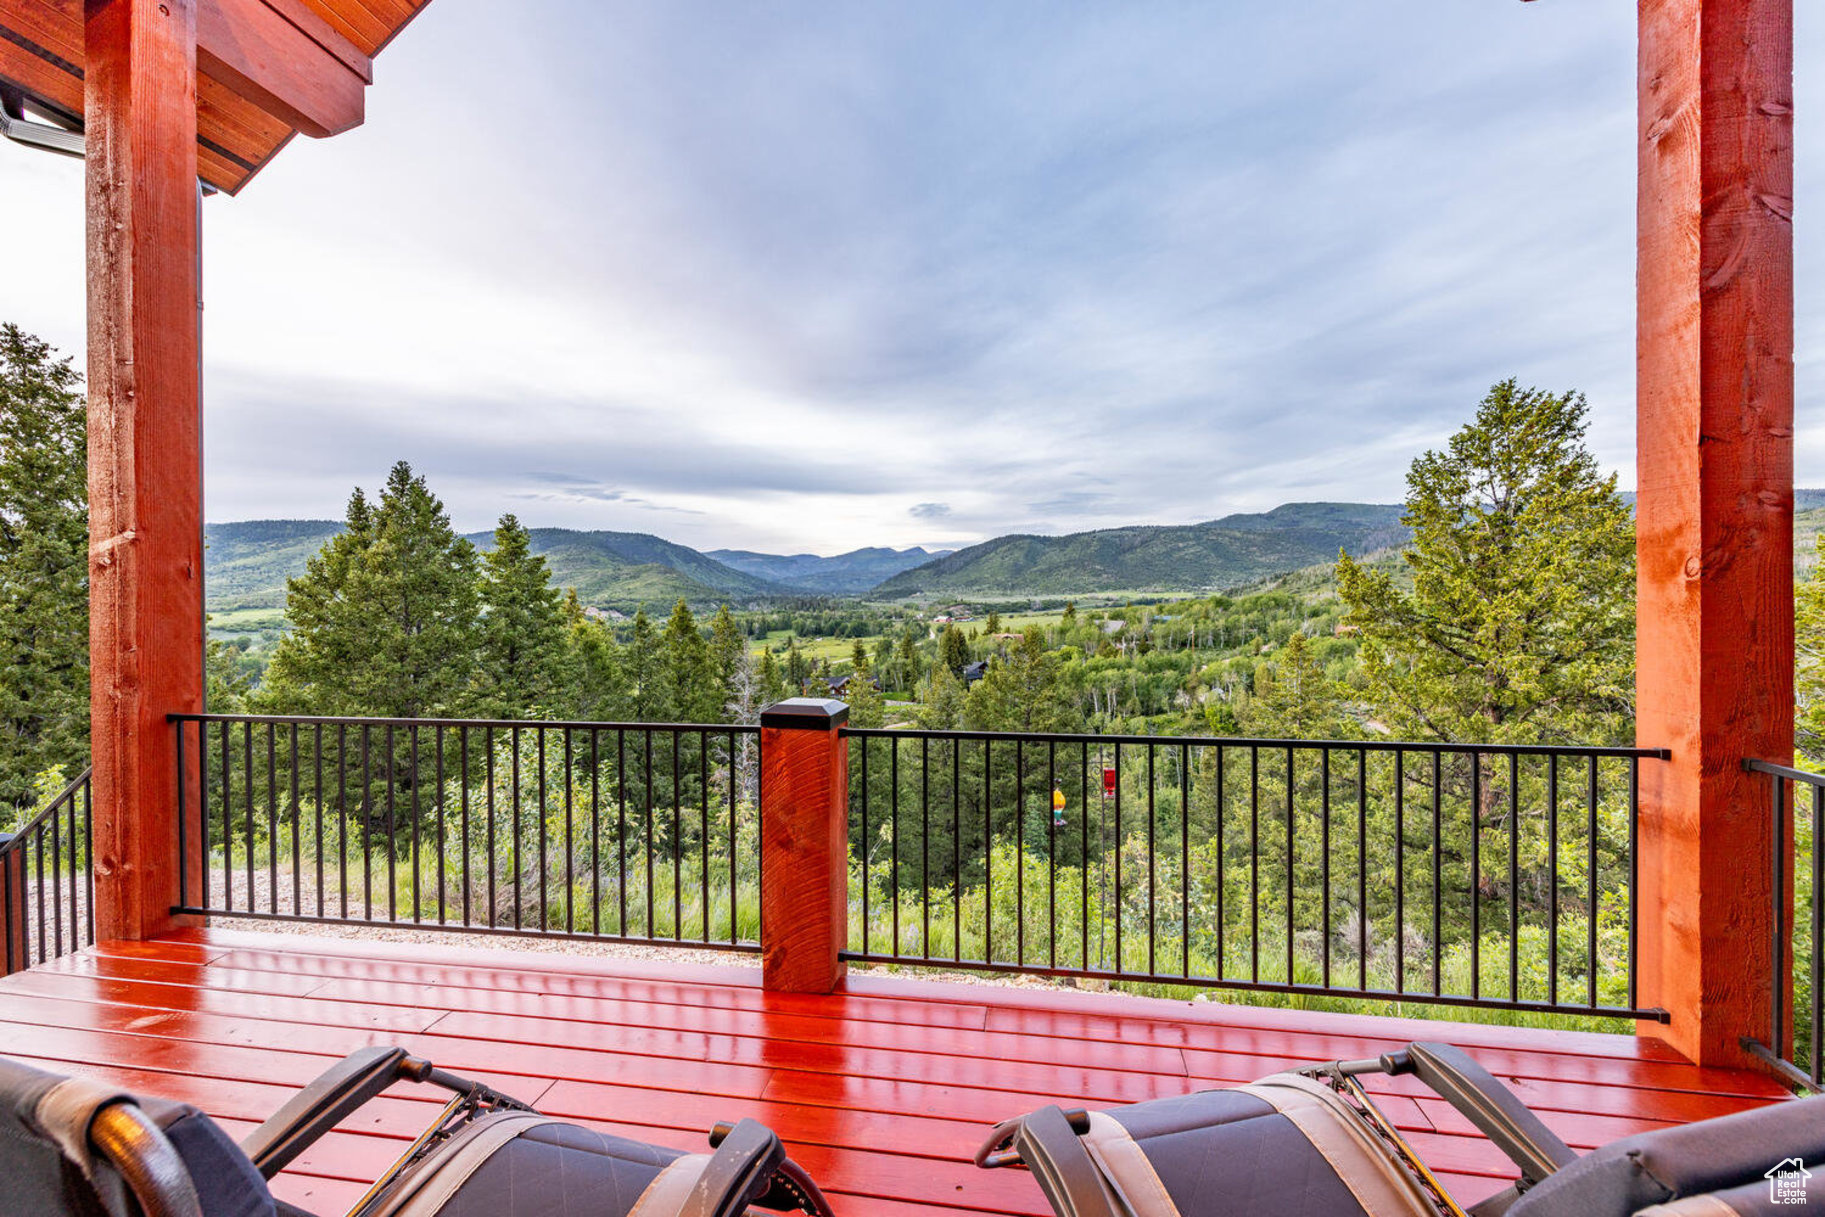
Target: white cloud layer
[{"x": 815, "y": 276}]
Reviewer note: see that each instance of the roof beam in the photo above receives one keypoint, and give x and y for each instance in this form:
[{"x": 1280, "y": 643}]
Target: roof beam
[{"x": 286, "y": 60}]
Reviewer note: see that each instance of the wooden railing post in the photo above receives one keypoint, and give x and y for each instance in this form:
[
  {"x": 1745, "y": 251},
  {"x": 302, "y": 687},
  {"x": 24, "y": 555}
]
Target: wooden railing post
[
  {"x": 1714, "y": 510},
  {"x": 14, "y": 953},
  {"x": 804, "y": 844}
]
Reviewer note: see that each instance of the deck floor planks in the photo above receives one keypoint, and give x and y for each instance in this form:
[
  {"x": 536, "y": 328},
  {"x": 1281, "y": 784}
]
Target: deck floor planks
[{"x": 883, "y": 1091}]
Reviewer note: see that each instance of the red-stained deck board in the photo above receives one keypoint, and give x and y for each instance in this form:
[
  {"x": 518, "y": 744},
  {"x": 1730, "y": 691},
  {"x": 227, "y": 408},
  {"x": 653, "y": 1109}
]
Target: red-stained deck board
[{"x": 882, "y": 1091}]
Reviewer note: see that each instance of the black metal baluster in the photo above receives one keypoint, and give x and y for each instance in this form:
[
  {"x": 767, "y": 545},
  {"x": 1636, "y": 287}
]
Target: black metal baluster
[
  {"x": 1635, "y": 877},
  {"x": 1254, "y": 863},
  {"x": 1020, "y": 852},
  {"x": 412, "y": 775},
  {"x": 392, "y": 825},
  {"x": 1291, "y": 816},
  {"x": 1121, "y": 964},
  {"x": 247, "y": 809},
  {"x": 703, "y": 844},
  {"x": 621, "y": 831},
  {"x": 1324, "y": 863},
  {"x": 956, "y": 848},
  {"x": 1476, "y": 873},
  {"x": 925, "y": 847},
  {"x": 862, "y": 850},
  {"x": 1552, "y": 879},
  {"x": 893, "y": 858},
  {"x": 297, "y": 845},
  {"x": 1438, "y": 875},
  {"x": 1222, "y": 872},
  {"x": 513, "y": 742},
  {"x": 1514, "y": 877},
  {"x": 1051, "y": 857},
  {"x": 317, "y": 788},
  {"x": 437, "y": 761},
  {"x": 272, "y": 821},
  {"x": 1362, "y": 868},
  {"x": 1185, "y": 859},
  {"x": 651, "y": 930},
  {"x": 462, "y": 812},
  {"x": 342, "y": 811},
  {"x": 539, "y": 817},
  {"x": 488, "y": 778},
  {"x": 595, "y": 831},
  {"x": 227, "y": 824},
  {"x": 1153, "y": 921},
  {"x": 1590, "y": 878},
  {"x": 570, "y": 877},
  {"x": 677, "y": 847}
]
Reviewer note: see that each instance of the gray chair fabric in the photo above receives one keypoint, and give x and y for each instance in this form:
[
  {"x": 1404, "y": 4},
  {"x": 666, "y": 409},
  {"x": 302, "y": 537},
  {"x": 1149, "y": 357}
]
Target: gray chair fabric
[
  {"x": 51, "y": 1166},
  {"x": 1228, "y": 1151},
  {"x": 1626, "y": 1176},
  {"x": 510, "y": 1163}
]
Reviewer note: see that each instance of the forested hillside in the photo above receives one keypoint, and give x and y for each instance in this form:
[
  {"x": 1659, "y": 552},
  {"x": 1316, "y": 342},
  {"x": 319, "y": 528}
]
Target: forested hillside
[
  {"x": 1186, "y": 558},
  {"x": 849, "y": 574}
]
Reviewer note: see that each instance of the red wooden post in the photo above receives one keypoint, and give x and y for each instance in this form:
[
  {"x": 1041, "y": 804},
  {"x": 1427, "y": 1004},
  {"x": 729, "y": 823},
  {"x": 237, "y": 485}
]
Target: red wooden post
[
  {"x": 15, "y": 944},
  {"x": 804, "y": 844},
  {"x": 1715, "y": 508},
  {"x": 145, "y": 444}
]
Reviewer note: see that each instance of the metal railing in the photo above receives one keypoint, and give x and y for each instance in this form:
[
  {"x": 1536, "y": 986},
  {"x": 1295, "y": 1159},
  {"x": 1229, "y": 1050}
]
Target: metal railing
[
  {"x": 608, "y": 831},
  {"x": 1452, "y": 875},
  {"x": 1798, "y": 850},
  {"x": 47, "y": 880}
]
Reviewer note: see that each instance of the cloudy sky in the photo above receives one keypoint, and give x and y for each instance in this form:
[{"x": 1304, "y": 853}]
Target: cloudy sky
[{"x": 808, "y": 276}]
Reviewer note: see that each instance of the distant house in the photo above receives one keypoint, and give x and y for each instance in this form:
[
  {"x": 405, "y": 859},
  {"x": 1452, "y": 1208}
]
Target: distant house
[
  {"x": 1009, "y": 637},
  {"x": 973, "y": 672},
  {"x": 841, "y": 683},
  {"x": 942, "y": 619}
]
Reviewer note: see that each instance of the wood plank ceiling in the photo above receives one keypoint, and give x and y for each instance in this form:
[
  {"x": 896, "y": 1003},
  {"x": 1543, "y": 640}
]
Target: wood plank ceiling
[{"x": 240, "y": 125}]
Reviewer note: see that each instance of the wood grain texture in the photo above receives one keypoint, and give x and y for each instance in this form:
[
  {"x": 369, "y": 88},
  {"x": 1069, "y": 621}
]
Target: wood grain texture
[
  {"x": 145, "y": 446},
  {"x": 15, "y": 950},
  {"x": 804, "y": 843},
  {"x": 261, "y": 55},
  {"x": 881, "y": 1089},
  {"x": 1714, "y": 515}
]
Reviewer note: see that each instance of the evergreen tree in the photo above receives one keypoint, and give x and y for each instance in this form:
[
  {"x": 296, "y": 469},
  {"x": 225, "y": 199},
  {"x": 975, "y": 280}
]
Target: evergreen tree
[
  {"x": 385, "y": 617},
  {"x": 1028, "y": 691},
  {"x": 520, "y": 663},
  {"x": 44, "y": 566},
  {"x": 1293, "y": 698},
  {"x": 993, "y": 624},
  {"x": 772, "y": 680},
  {"x": 1520, "y": 624},
  {"x": 906, "y": 661},
  {"x": 858, "y": 656},
  {"x": 1069, "y": 620},
  {"x": 598, "y": 684},
  {"x": 688, "y": 672},
  {"x": 953, "y": 651},
  {"x": 798, "y": 669},
  {"x": 728, "y": 651},
  {"x": 941, "y": 700},
  {"x": 640, "y": 665}
]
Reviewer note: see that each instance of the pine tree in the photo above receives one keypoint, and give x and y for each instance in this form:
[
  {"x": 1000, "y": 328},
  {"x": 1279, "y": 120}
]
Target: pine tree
[
  {"x": 953, "y": 651},
  {"x": 1520, "y": 625},
  {"x": 519, "y": 665},
  {"x": 858, "y": 656},
  {"x": 44, "y": 565},
  {"x": 1294, "y": 699},
  {"x": 772, "y": 682},
  {"x": 1069, "y": 620},
  {"x": 640, "y": 665},
  {"x": 598, "y": 684},
  {"x": 906, "y": 661},
  {"x": 385, "y": 617},
  {"x": 941, "y": 700},
  {"x": 993, "y": 624},
  {"x": 798, "y": 669},
  {"x": 1028, "y": 691},
  {"x": 728, "y": 651},
  {"x": 693, "y": 694}
]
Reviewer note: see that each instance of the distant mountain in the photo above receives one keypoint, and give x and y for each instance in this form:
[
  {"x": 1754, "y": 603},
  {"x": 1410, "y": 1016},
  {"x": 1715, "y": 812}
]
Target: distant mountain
[
  {"x": 1173, "y": 558},
  {"x": 847, "y": 574},
  {"x": 247, "y": 563}
]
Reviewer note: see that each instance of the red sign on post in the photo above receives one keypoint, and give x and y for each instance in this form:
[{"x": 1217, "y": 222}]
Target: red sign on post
[{"x": 1108, "y": 781}]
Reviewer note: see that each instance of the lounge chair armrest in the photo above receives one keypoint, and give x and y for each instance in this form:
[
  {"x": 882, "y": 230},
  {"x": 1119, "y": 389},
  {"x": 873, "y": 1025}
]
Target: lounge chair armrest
[
  {"x": 1047, "y": 1142},
  {"x": 738, "y": 1172},
  {"x": 319, "y": 1107},
  {"x": 1486, "y": 1103}
]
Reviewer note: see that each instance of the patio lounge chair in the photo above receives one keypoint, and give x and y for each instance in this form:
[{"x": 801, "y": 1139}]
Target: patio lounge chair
[
  {"x": 1311, "y": 1143},
  {"x": 74, "y": 1147}
]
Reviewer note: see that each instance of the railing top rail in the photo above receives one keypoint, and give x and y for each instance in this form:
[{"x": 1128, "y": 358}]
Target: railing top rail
[
  {"x": 1213, "y": 741},
  {"x": 17, "y": 838},
  {"x": 1785, "y": 771},
  {"x": 306, "y": 720}
]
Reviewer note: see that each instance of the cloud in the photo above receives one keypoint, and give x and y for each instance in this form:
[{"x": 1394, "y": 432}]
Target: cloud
[
  {"x": 929, "y": 511},
  {"x": 762, "y": 282}
]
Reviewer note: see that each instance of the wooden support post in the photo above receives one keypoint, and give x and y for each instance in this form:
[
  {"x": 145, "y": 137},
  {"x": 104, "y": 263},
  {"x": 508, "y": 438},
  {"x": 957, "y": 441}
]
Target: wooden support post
[
  {"x": 804, "y": 844},
  {"x": 15, "y": 944},
  {"x": 1715, "y": 508},
  {"x": 145, "y": 444}
]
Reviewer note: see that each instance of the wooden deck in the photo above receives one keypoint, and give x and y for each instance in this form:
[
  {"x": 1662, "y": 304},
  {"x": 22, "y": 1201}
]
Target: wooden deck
[{"x": 882, "y": 1092}]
